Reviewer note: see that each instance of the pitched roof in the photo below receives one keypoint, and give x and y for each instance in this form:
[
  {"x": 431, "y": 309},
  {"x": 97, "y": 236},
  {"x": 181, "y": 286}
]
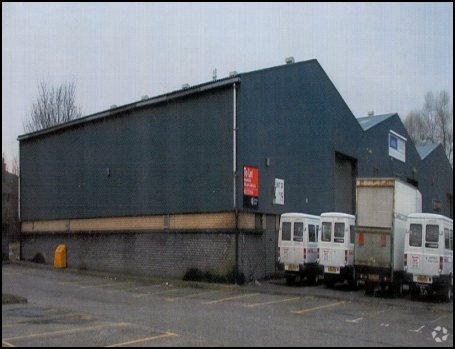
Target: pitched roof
[
  {"x": 426, "y": 149},
  {"x": 142, "y": 103},
  {"x": 367, "y": 122}
]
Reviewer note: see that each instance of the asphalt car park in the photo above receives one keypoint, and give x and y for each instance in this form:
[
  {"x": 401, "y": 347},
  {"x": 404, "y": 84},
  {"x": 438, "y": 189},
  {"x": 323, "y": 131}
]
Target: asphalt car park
[{"x": 70, "y": 308}]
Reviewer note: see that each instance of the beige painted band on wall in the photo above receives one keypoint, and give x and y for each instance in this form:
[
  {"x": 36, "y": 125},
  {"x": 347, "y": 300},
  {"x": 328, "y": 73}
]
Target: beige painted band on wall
[{"x": 224, "y": 220}]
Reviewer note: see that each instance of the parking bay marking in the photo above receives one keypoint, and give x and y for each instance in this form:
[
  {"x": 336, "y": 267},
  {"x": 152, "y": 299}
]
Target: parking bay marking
[
  {"x": 271, "y": 302},
  {"x": 68, "y": 331},
  {"x": 106, "y": 285},
  {"x": 303, "y": 311},
  {"x": 355, "y": 321},
  {"x": 7, "y": 344},
  {"x": 155, "y": 293},
  {"x": 141, "y": 340},
  {"x": 231, "y": 298},
  {"x": 192, "y": 295}
]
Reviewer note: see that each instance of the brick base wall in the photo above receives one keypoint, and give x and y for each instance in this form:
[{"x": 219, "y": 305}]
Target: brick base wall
[{"x": 157, "y": 253}]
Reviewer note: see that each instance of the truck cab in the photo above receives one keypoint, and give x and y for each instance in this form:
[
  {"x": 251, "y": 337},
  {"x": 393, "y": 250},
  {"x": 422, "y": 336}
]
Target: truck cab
[
  {"x": 428, "y": 254},
  {"x": 336, "y": 248},
  {"x": 297, "y": 246}
]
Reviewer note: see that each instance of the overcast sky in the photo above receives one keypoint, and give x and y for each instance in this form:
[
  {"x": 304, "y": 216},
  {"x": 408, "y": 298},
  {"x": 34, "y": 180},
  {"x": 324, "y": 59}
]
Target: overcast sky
[{"x": 381, "y": 57}]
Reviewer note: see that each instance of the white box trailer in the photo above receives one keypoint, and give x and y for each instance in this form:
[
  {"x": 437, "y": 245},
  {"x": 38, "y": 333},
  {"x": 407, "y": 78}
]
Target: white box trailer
[
  {"x": 383, "y": 205},
  {"x": 298, "y": 246},
  {"x": 336, "y": 248},
  {"x": 428, "y": 254}
]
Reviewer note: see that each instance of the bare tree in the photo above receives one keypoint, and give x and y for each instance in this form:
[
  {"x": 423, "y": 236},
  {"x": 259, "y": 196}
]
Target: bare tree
[
  {"x": 415, "y": 126},
  {"x": 15, "y": 166},
  {"x": 54, "y": 105},
  {"x": 433, "y": 123}
]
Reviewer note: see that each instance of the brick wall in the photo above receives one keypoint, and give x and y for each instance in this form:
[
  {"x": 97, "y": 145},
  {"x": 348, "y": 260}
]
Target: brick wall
[
  {"x": 114, "y": 244},
  {"x": 168, "y": 254}
]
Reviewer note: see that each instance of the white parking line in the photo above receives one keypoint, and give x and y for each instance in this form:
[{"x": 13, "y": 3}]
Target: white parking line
[
  {"x": 68, "y": 331},
  {"x": 231, "y": 298},
  {"x": 271, "y": 302},
  {"x": 303, "y": 311},
  {"x": 155, "y": 293},
  {"x": 141, "y": 340}
]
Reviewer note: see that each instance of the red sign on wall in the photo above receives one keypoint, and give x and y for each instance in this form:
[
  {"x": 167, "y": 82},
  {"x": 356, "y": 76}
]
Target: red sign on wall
[{"x": 250, "y": 181}]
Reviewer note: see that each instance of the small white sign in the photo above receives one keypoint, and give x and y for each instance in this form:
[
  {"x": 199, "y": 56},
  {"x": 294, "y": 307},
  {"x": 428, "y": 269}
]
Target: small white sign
[
  {"x": 397, "y": 146},
  {"x": 279, "y": 192}
]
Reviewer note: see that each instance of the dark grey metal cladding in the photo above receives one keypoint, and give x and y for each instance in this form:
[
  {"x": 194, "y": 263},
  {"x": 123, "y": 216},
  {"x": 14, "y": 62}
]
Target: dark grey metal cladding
[
  {"x": 374, "y": 152},
  {"x": 168, "y": 158},
  {"x": 436, "y": 182},
  {"x": 294, "y": 115},
  {"x": 374, "y": 155}
]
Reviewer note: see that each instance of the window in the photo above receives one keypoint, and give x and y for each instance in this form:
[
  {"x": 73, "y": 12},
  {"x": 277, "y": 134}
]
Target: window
[
  {"x": 317, "y": 233},
  {"x": 352, "y": 234},
  {"x": 446, "y": 239},
  {"x": 339, "y": 232},
  {"x": 432, "y": 236},
  {"x": 298, "y": 231},
  {"x": 326, "y": 232},
  {"x": 286, "y": 231},
  {"x": 312, "y": 237},
  {"x": 415, "y": 235}
]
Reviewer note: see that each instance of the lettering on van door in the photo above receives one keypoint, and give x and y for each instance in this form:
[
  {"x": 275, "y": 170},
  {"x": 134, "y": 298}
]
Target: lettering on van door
[{"x": 415, "y": 262}]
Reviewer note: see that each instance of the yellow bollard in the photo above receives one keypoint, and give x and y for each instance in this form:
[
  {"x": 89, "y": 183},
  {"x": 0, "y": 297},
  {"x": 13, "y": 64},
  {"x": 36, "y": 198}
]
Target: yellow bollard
[{"x": 60, "y": 257}]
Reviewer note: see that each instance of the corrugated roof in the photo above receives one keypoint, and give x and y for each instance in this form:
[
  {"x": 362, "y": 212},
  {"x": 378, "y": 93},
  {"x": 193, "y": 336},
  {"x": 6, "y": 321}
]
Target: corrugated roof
[
  {"x": 142, "y": 103},
  {"x": 426, "y": 149},
  {"x": 367, "y": 122}
]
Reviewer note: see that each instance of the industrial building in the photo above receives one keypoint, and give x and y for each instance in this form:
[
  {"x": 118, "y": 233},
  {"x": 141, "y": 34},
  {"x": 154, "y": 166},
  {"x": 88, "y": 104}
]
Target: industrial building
[{"x": 198, "y": 177}]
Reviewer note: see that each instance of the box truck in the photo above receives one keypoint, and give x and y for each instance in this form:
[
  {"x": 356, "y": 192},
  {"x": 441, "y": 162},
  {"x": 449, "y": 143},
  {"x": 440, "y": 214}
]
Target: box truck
[
  {"x": 298, "y": 246},
  {"x": 336, "y": 248},
  {"x": 428, "y": 254},
  {"x": 383, "y": 205}
]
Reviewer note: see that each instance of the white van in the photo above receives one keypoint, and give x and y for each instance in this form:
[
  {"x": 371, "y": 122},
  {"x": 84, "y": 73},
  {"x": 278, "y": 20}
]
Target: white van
[
  {"x": 298, "y": 246},
  {"x": 336, "y": 248},
  {"x": 428, "y": 253}
]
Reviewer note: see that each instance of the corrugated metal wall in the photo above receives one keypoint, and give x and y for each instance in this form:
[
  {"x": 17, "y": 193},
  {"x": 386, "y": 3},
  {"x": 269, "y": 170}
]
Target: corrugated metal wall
[
  {"x": 295, "y": 116},
  {"x": 170, "y": 158}
]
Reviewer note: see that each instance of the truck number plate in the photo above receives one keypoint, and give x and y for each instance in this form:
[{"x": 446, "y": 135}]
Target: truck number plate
[
  {"x": 423, "y": 278},
  {"x": 332, "y": 270},
  {"x": 373, "y": 277}
]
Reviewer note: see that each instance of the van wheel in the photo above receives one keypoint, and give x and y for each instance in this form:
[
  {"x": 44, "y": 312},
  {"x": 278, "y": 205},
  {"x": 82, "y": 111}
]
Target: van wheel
[
  {"x": 368, "y": 289},
  {"x": 447, "y": 295},
  {"x": 397, "y": 290},
  {"x": 290, "y": 280},
  {"x": 329, "y": 283},
  {"x": 315, "y": 279},
  {"x": 415, "y": 291},
  {"x": 352, "y": 282}
]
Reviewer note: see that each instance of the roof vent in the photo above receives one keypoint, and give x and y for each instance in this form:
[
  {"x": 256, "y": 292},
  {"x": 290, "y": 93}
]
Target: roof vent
[
  {"x": 233, "y": 73},
  {"x": 113, "y": 106},
  {"x": 290, "y": 60},
  {"x": 144, "y": 97},
  {"x": 371, "y": 113},
  {"x": 185, "y": 86}
]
